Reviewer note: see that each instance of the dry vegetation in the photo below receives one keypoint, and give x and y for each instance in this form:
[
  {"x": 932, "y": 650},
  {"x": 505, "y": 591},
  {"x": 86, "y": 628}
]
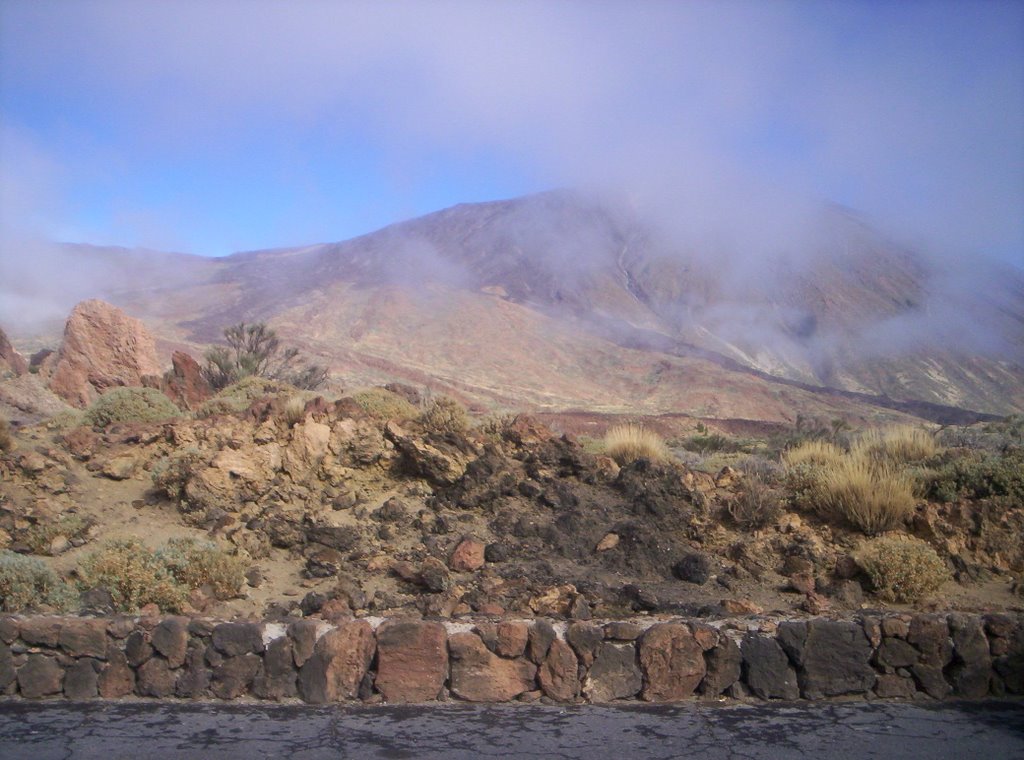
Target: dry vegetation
[
  {"x": 628, "y": 443},
  {"x": 902, "y": 569},
  {"x": 130, "y": 405}
]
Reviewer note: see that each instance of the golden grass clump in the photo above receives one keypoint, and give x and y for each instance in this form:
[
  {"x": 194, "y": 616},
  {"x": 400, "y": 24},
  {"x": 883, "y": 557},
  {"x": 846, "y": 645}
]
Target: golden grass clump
[
  {"x": 628, "y": 443},
  {"x": 902, "y": 569},
  {"x": 814, "y": 452},
  {"x": 294, "y": 410},
  {"x": 903, "y": 444},
  {"x": 875, "y": 497}
]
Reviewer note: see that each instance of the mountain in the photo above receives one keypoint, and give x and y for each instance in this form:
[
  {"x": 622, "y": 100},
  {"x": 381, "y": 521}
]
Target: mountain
[{"x": 561, "y": 301}]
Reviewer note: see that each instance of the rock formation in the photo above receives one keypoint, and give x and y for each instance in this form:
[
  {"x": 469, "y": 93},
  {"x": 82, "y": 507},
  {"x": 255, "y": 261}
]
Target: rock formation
[
  {"x": 102, "y": 348},
  {"x": 10, "y": 360}
]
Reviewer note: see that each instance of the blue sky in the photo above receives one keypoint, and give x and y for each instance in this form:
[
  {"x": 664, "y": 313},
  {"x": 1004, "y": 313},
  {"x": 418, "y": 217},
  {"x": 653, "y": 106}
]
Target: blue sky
[{"x": 218, "y": 126}]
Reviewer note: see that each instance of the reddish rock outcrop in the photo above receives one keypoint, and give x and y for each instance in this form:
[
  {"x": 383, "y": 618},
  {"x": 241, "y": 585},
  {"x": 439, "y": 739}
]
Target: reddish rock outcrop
[
  {"x": 185, "y": 384},
  {"x": 11, "y": 360},
  {"x": 340, "y": 660},
  {"x": 558, "y": 675},
  {"x": 102, "y": 348}
]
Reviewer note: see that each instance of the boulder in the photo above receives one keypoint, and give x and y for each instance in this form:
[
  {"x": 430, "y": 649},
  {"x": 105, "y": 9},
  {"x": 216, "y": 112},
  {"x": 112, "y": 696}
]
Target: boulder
[
  {"x": 184, "y": 384},
  {"x": 971, "y": 670},
  {"x": 102, "y": 348},
  {"x": 170, "y": 638},
  {"x": 277, "y": 680},
  {"x": 84, "y": 637},
  {"x": 539, "y": 641},
  {"x": 766, "y": 669},
  {"x": 233, "y": 677},
  {"x": 672, "y": 662},
  {"x": 10, "y": 360},
  {"x": 558, "y": 674},
  {"x": 615, "y": 673},
  {"x": 895, "y": 686},
  {"x": 81, "y": 681},
  {"x": 479, "y": 675},
  {"x": 116, "y": 678},
  {"x": 412, "y": 660},
  {"x": 340, "y": 660},
  {"x": 584, "y": 640},
  {"x": 233, "y": 639},
  {"x": 195, "y": 681},
  {"x": 724, "y": 667},
  {"x": 929, "y": 634},
  {"x": 155, "y": 679},
  {"x": 832, "y": 657},
  {"x": 468, "y": 556}
]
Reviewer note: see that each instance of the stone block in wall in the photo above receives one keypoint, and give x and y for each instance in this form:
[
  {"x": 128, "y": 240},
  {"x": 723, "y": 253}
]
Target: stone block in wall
[
  {"x": 8, "y": 675},
  {"x": 233, "y": 639},
  {"x": 542, "y": 634},
  {"x": 929, "y": 634},
  {"x": 170, "y": 638},
  {"x": 892, "y": 685},
  {"x": 194, "y": 682},
  {"x": 8, "y": 628},
  {"x": 615, "y": 673},
  {"x": 235, "y": 675},
  {"x": 620, "y": 630},
  {"x": 767, "y": 670},
  {"x": 724, "y": 667},
  {"x": 1010, "y": 666},
  {"x": 412, "y": 660},
  {"x": 81, "y": 680},
  {"x": 40, "y": 676},
  {"x": 896, "y": 653},
  {"x": 84, "y": 637},
  {"x": 559, "y": 673},
  {"x": 278, "y": 679},
  {"x": 479, "y": 675},
  {"x": 155, "y": 679},
  {"x": 672, "y": 661},
  {"x": 41, "y": 631},
  {"x": 971, "y": 670},
  {"x": 116, "y": 678},
  {"x": 832, "y": 657},
  {"x": 303, "y": 634},
  {"x": 585, "y": 640},
  {"x": 137, "y": 648},
  {"x": 339, "y": 662}
]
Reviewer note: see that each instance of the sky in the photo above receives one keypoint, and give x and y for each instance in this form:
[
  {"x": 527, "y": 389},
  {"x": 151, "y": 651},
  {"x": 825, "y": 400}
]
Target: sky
[{"x": 218, "y": 126}]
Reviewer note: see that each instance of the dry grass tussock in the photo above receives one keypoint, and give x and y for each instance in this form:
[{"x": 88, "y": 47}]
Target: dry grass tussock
[
  {"x": 904, "y": 444},
  {"x": 627, "y": 443},
  {"x": 6, "y": 442},
  {"x": 814, "y": 452},
  {"x": 872, "y": 496}
]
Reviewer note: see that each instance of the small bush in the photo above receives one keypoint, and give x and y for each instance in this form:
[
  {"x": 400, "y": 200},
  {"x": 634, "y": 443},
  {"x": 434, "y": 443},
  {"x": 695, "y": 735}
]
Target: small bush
[
  {"x": 27, "y": 582},
  {"x": 196, "y": 564},
  {"x": 130, "y": 405},
  {"x": 495, "y": 426},
  {"x": 628, "y": 443},
  {"x": 898, "y": 445},
  {"x": 239, "y": 396},
  {"x": 709, "y": 443},
  {"x": 134, "y": 575},
  {"x": 757, "y": 506},
  {"x": 814, "y": 452},
  {"x": 382, "y": 404},
  {"x": 6, "y": 441},
  {"x": 39, "y": 536},
  {"x": 444, "y": 415},
  {"x": 902, "y": 570},
  {"x": 171, "y": 473},
  {"x": 978, "y": 475},
  {"x": 873, "y": 497},
  {"x": 294, "y": 410}
]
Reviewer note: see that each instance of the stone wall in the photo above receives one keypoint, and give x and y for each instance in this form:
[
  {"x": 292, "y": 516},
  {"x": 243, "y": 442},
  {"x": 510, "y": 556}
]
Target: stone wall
[{"x": 405, "y": 660}]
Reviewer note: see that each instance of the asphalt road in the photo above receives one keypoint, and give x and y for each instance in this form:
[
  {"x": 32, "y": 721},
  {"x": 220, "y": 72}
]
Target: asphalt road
[{"x": 837, "y": 731}]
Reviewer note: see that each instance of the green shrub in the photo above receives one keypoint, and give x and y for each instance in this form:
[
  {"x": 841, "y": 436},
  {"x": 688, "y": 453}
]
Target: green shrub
[
  {"x": 977, "y": 475},
  {"x": 254, "y": 350},
  {"x": 196, "y": 564},
  {"x": 171, "y": 473},
  {"x": 130, "y": 405},
  {"x": 709, "y": 443},
  {"x": 38, "y": 537},
  {"x": 902, "y": 569},
  {"x": 444, "y": 415},
  {"x": 134, "y": 575},
  {"x": 382, "y": 404},
  {"x": 239, "y": 396},
  {"x": 27, "y": 582},
  {"x": 6, "y": 441},
  {"x": 628, "y": 443}
]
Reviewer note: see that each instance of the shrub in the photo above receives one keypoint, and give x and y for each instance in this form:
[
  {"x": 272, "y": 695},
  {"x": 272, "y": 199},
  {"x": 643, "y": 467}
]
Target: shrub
[
  {"x": 6, "y": 441},
  {"x": 254, "y": 350},
  {"x": 902, "y": 569},
  {"x": 898, "y": 445},
  {"x": 757, "y": 506},
  {"x": 444, "y": 415},
  {"x": 628, "y": 443},
  {"x": 237, "y": 397},
  {"x": 871, "y": 496},
  {"x": 196, "y": 564},
  {"x": 978, "y": 475},
  {"x": 494, "y": 426},
  {"x": 27, "y": 582},
  {"x": 814, "y": 452},
  {"x": 294, "y": 410},
  {"x": 133, "y": 574},
  {"x": 382, "y": 404},
  {"x": 130, "y": 405},
  {"x": 171, "y": 474},
  {"x": 708, "y": 443},
  {"x": 39, "y": 536}
]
